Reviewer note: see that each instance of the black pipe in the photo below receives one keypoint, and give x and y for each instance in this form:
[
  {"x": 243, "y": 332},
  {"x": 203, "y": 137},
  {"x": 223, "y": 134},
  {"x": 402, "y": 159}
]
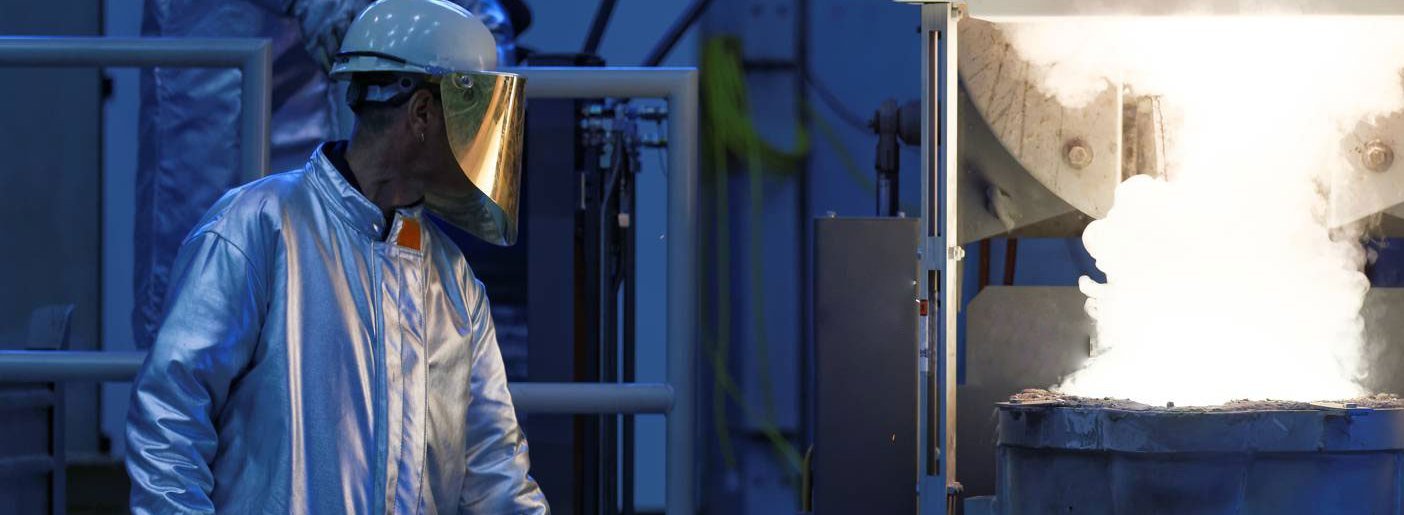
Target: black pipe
[
  {"x": 805, "y": 222},
  {"x": 608, "y": 339},
  {"x": 587, "y": 437},
  {"x": 1011, "y": 257},
  {"x": 985, "y": 251},
  {"x": 629, "y": 279},
  {"x": 676, "y": 31},
  {"x": 597, "y": 27}
]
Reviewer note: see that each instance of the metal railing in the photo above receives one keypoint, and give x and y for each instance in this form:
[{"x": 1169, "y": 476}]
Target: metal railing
[
  {"x": 576, "y": 398},
  {"x": 678, "y": 86},
  {"x": 253, "y": 58}
]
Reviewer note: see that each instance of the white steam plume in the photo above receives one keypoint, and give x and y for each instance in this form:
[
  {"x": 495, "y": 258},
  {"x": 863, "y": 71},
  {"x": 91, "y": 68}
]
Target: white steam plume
[{"x": 1223, "y": 279}]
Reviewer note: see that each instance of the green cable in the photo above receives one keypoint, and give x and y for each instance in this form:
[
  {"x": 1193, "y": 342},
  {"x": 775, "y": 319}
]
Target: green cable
[
  {"x": 726, "y": 107},
  {"x": 723, "y": 336},
  {"x": 729, "y": 131}
]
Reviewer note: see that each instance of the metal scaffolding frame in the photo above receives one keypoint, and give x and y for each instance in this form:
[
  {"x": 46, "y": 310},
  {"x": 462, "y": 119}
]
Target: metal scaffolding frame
[
  {"x": 939, "y": 255},
  {"x": 678, "y": 86}
]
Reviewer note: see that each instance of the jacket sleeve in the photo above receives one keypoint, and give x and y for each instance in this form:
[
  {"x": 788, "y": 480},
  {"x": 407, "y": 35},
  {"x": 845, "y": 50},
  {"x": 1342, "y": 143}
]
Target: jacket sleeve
[
  {"x": 497, "y": 479},
  {"x": 323, "y": 23},
  {"x": 494, "y": 16},
  {"x": 214, "y": 313}
]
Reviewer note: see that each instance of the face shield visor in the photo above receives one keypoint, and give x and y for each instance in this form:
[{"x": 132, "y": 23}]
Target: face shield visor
[{"x": 483, "y": 116}]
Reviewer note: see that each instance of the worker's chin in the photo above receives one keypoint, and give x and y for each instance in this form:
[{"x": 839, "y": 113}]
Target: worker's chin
[{"x": 442, "y": 177}]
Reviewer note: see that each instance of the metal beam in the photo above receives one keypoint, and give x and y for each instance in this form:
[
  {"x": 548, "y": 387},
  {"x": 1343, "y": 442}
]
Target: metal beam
[
  {"x": 253, "y": 58},
  {"x": 611, "y": 82},
  {"x": 577, "y": 398},
  {"x": 940, "y": 253},
  {"x": 22, "y": 366}
]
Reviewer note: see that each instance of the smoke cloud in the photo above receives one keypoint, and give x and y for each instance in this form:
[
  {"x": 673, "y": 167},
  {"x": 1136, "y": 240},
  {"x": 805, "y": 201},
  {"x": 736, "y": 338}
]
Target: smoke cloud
[{"x": 1224, "y": 279}]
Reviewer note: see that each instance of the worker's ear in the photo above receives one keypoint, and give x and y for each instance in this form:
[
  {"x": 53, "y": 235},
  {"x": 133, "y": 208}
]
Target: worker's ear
[{"x": 421, "y": 112}]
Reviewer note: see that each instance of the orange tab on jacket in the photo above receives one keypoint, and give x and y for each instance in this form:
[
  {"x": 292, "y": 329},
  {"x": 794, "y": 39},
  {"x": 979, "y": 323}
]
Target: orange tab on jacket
[{"x": 409, "y": 236}]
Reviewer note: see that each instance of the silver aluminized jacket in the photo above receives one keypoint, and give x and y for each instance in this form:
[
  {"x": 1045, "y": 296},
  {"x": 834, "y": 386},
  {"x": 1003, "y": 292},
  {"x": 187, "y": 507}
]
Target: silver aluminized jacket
[
  {"x": 190, "y": 116},
  {"x": 306, "y": 366}
]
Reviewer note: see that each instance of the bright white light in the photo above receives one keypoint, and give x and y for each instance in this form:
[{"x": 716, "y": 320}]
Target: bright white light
[{"x": 1223, "y": 279}]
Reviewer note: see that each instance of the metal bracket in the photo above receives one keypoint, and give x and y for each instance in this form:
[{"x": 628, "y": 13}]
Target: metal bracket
[{"x": 1343, "y": 408}]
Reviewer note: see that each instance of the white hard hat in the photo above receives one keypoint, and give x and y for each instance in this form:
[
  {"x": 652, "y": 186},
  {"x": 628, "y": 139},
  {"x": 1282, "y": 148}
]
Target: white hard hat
[
  {"x": 483, "y": 110},
  {"x": 432, "y": 37}
]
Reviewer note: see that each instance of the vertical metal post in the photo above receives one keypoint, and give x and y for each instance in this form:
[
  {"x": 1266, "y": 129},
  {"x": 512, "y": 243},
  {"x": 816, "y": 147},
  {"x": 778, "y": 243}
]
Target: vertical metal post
[
  {"x": 941, "y": 254},
  {"x": 256, "y": 102},
  {"x": 682, "y": 291},
  {"x": 929, "y": 448},
  {"x": 946, "y": 20}
]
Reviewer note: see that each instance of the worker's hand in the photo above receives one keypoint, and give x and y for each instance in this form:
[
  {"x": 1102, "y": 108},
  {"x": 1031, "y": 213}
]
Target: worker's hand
[{"x": 324, "y": 23}]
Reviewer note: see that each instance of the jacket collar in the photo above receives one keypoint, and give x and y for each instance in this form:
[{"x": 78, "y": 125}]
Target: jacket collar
[{"x": 342, "y": 198}]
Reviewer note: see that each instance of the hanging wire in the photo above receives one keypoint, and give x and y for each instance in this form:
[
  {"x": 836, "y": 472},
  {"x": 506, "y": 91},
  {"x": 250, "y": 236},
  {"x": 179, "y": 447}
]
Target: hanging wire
[{"x": 830, "y": 99}]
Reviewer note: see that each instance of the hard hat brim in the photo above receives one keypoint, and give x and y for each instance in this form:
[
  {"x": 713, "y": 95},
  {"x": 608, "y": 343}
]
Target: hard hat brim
[{"x": 346, "y": 65}]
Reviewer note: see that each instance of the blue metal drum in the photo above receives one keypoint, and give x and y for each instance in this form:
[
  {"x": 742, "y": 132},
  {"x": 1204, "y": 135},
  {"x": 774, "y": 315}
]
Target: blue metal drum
[{"x": 1076, "y": 459}]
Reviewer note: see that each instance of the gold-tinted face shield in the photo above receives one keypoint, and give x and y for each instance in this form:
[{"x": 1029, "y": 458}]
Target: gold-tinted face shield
[{"x": 483, "y": 115}]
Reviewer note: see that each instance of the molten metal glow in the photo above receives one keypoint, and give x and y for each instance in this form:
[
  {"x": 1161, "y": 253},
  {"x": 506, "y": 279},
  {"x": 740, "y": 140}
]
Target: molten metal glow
[{"x": 1224, "y": 280}]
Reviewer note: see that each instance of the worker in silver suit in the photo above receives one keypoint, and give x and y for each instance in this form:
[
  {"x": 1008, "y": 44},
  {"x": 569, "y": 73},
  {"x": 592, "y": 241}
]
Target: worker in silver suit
[
  {"x": 325, "y": 347},
  {"x": 189, "y": 143}
]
